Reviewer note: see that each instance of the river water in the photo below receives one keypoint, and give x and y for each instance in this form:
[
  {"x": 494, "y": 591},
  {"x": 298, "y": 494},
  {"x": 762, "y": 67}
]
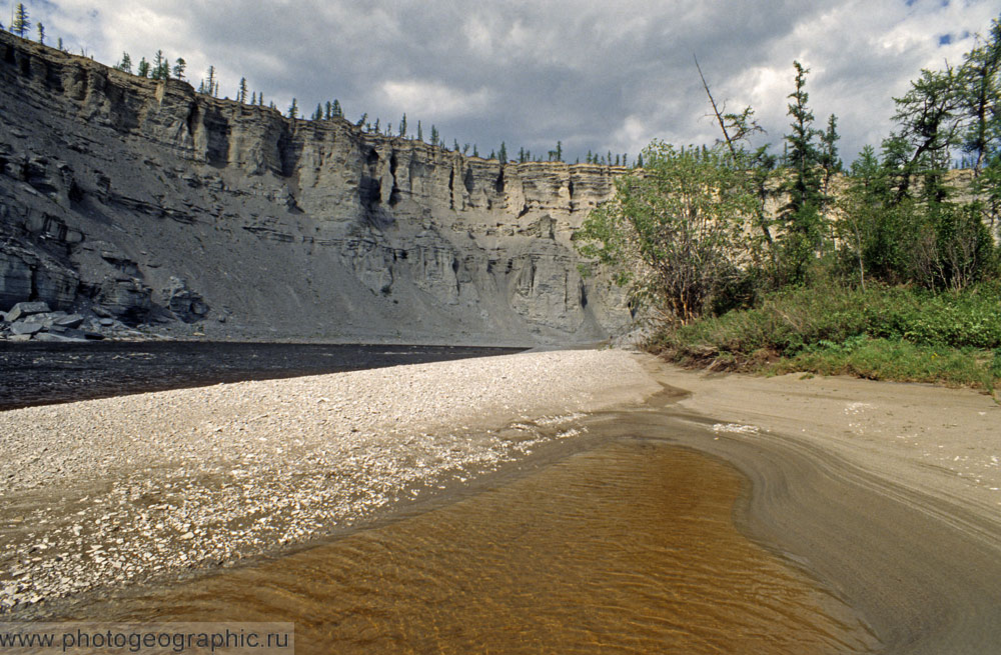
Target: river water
[
  {"x": 629, "y": 547},
  {"x": 45, "y": 373}
]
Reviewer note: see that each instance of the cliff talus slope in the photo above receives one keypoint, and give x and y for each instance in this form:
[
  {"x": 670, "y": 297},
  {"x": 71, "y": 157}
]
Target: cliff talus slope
[{"x": 161, "y": 204}]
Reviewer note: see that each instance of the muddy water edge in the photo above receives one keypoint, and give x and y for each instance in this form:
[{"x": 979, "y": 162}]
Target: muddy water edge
[{"x": 654, "y": 532}]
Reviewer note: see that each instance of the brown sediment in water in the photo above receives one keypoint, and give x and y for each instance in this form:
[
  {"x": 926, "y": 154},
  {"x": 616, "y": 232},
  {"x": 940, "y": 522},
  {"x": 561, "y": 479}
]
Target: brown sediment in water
[{"x": 629, "y": 547}]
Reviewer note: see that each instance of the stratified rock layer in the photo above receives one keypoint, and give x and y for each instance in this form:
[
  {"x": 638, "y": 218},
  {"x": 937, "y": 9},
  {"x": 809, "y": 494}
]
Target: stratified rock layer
[{"x": 155, "y": 202}]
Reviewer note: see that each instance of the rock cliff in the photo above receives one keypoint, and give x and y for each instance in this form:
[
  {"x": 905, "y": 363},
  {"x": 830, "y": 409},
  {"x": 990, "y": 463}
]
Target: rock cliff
[{"x": 159, "y": 204}]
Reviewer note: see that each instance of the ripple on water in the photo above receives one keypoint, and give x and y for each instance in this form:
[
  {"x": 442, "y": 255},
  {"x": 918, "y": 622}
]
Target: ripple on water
[{"x": 627, "y": 548}]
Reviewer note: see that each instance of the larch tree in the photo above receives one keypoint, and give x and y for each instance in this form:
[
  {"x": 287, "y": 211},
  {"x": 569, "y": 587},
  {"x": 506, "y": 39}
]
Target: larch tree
[{"x": 981, "y": 97}]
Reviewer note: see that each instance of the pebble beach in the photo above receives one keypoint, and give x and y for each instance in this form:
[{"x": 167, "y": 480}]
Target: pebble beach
[{"x": 105, "y": 493}]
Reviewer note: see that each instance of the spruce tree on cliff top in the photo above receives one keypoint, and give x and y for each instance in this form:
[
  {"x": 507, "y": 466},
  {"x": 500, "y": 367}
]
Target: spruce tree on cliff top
[{"x": 21, "y": 24}]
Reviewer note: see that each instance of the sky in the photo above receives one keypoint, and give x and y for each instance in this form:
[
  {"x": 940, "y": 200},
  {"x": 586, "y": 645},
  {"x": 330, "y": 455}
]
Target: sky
[{"x": 598, "y": 75}]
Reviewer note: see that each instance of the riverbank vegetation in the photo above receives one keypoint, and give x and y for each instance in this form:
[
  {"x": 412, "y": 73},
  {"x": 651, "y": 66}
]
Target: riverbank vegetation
[{"x": 888, "y": 268}]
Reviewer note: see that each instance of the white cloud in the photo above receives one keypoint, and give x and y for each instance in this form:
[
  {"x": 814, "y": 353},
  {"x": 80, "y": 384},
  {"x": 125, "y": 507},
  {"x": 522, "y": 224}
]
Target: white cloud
[
  {"x": 434, "y": 99},
  {"x": 595, "y": 74}
]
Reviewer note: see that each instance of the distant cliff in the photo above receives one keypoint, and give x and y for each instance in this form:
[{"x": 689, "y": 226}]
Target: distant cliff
[{"x": 166, "y": 206}]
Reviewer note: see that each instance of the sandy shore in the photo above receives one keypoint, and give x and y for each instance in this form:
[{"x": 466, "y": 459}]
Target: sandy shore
[
  {"x": 889, "y": 495},
  {"x": 105, "y": 492}
]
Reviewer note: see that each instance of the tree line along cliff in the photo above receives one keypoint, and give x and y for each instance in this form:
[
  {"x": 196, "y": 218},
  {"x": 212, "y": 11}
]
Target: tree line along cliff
[{"x": 167, "y": 207}]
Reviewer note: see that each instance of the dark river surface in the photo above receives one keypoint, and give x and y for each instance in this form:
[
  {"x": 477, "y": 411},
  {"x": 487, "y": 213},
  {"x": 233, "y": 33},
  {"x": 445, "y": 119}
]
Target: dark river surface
[{"x": 46, "y": 373}]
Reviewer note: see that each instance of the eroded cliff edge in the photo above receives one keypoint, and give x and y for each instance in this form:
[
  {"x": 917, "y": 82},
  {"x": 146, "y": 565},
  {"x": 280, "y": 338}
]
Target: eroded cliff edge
[{"x": 158, "y": 203}]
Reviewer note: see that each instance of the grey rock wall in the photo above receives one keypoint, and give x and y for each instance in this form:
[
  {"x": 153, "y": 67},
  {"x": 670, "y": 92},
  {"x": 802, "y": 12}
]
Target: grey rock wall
[{"x": 159, "y": 204}]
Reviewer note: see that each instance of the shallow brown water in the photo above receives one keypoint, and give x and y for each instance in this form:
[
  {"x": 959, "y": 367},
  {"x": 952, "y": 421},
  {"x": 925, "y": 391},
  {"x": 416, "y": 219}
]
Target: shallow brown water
[{"x": 629, "y": 547}]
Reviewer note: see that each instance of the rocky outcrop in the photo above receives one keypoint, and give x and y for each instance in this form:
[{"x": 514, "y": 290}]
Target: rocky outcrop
[{"x": 157, "y": 203}]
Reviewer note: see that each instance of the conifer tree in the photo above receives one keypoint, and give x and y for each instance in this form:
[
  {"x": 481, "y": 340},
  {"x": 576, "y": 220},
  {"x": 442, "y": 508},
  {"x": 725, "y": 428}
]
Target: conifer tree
[
  {"x": 980, "y": 81},
  {"x": 253, "y": 98},
  {"x": 337, "y": 111},
  {"x": 502, "y": 153},
  {"x": 158, "y": 62},
  {"x": 241, "y": 94},
  {"x": 403, "y": 126},
  {"x": 209, "y": 86},
  {"x": 60, "y": 44},
  {"x": 143, "y": 69},
  {"x": 420, "y": 132},
  {"x": 829, "y": 159},
  {"x": 125, "y": 65},
  {"x": 179, "y": 67},
  {"x": 434, "y": 135},
  {"x": 804, "y": 224},
  {"x": 21, "y": 24},
  {"x": 559, "y": 151},
  {"x": 293, "y": 110},
  {"x": 41, "y": 34},
  {"x": 328, "y": 110},
  {"x": 318, "y": 114}
]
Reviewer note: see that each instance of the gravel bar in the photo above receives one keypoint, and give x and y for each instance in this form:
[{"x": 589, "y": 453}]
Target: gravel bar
[{"x": 120, "y": 490}]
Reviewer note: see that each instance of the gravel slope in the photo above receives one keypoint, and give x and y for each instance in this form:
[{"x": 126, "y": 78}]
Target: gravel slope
[{"x": 116, "y": 490}]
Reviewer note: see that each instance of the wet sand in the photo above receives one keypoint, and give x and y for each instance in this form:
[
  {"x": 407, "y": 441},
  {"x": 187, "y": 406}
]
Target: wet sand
[{"x": 887, "y": 492}]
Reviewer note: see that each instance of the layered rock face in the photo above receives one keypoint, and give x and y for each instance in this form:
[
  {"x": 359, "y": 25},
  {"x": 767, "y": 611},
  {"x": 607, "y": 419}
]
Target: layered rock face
[{"x": 158, "y": 203}]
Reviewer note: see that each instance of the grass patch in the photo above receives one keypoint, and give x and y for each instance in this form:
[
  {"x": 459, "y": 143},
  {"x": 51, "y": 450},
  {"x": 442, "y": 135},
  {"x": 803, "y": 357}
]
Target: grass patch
[
  {"x": 883, "y": 333},
  {"x": 899, "y": 360}
]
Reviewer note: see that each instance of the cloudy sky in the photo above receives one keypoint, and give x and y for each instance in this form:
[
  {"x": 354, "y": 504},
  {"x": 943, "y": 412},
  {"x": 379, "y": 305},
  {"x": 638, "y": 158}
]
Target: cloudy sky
[{"x": 600, "y": 75}]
